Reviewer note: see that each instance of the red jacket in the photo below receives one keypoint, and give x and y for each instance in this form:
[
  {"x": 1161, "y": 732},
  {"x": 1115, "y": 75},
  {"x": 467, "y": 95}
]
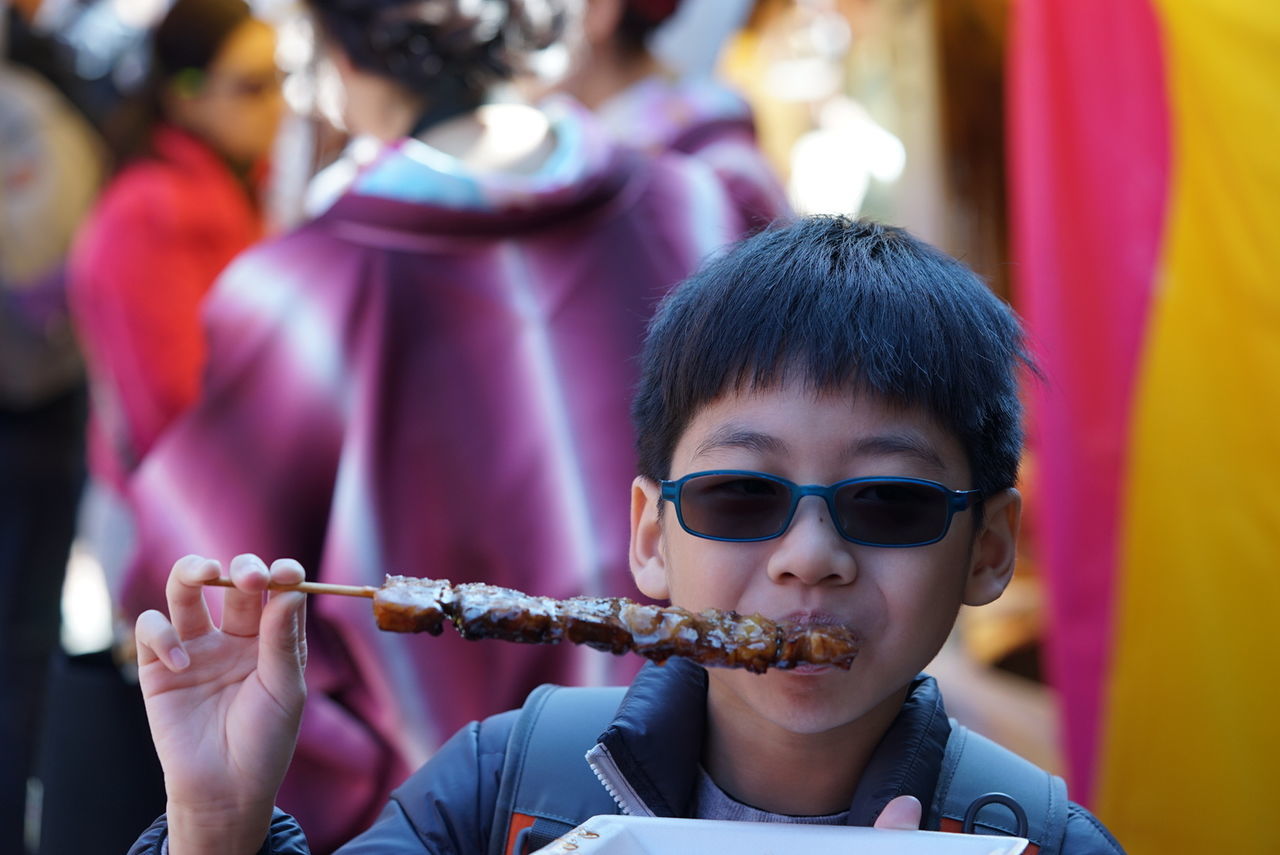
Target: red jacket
[{"x": 159, "y": 236}]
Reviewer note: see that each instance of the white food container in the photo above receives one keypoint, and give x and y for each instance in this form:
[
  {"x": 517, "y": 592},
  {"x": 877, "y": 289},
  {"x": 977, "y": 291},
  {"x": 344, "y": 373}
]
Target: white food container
[{"x": 634, "y": 835}]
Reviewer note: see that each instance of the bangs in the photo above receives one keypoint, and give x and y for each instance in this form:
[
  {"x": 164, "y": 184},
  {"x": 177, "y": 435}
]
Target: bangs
[{"x": 837, "y": 305}]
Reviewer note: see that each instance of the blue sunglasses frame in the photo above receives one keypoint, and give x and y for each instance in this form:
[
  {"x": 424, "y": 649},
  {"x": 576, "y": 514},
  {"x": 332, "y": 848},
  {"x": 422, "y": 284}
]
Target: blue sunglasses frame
[{"x": 957, "y": 501}]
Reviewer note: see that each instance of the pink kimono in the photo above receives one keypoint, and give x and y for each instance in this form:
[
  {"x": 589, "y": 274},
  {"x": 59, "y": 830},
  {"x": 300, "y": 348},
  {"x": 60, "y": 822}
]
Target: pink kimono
[
  {"x": 703, "y": 118},
  {"x": 432, "y": 378}
]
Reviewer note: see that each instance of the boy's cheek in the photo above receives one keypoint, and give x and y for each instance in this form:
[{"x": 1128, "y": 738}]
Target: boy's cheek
[{"x": 705, "y": 574}]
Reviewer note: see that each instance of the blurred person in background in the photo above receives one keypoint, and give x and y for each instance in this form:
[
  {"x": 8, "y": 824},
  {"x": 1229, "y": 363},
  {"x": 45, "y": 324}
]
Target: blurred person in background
[
  {"x": 430, "y": 378},
  {"x": 648, "y": 105},
  {"x": 51, "y": 164},
  {"x": 35, "y": 43},
  {"x": 191, "y": 150}
]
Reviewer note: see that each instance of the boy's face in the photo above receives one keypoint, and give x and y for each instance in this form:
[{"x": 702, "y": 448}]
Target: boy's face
[{"x": 901, "y": 602}]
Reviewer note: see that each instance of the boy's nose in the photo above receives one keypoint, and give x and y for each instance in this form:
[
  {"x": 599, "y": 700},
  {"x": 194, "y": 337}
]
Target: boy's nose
[{"x": 811, "y": 551}]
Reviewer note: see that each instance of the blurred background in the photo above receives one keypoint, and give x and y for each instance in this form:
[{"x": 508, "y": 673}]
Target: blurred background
[{"x": 1107, "y": 166}]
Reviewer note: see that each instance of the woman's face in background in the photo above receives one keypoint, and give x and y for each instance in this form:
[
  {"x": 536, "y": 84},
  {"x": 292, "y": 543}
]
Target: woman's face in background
[{"x": 238, "y": 105}]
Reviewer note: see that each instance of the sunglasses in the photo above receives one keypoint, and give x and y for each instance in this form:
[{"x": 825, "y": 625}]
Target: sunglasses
[{"x": 742, "y": 506}]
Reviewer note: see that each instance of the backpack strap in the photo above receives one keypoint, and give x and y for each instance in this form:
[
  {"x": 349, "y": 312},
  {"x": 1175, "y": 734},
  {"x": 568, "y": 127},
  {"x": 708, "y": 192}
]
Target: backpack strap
[
  {"x": 547, "y": 788},
  {"x": 1029, "y": 803}
]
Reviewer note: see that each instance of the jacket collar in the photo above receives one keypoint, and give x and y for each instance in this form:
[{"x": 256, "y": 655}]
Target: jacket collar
[
  {"x": 409, "y": 187},
  {"x": 909, "y": 756},
  {"x": 655, "y": 741}
]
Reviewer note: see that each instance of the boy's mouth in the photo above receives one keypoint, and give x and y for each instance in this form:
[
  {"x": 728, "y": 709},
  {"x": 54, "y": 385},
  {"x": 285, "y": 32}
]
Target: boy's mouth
[
  {"x": 807, "y": 619},
  {"x": 810, "y": 618},
  {"x": 810, "y": 669}
]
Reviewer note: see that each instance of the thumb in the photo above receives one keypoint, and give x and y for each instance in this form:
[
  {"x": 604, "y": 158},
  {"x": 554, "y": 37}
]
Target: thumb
[
  {"x": 903, "y": 814},
  {"x": 282, "y": 647}
]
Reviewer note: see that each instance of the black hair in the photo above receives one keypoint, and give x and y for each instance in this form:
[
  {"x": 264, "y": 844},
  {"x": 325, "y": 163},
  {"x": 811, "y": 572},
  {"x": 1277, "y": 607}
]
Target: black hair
[
  {"x": 839, "y": 304},
  {"x": 187, "y": 39},
  {"x": 192, "y": 32},
  {"x": 444, "y": 50},
  {"x": 640, "y": 18}
]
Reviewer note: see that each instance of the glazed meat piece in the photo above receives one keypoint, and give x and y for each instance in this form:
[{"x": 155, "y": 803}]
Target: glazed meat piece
[
  {"x": 408, "y": 604},
  {"x": 731, "y": 640},
  {"x": 487, "y": 611},
  {"x": 594, "y": 621},
  {"x": 659, "y": 632},
  {"x": 801, "y": 644}
]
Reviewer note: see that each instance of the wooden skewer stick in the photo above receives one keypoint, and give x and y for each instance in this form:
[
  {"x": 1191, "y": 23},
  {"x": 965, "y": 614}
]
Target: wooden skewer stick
[{"x": 309, "y": 588}]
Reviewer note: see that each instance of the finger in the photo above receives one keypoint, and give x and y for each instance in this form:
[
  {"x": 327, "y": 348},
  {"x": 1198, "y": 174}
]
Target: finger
[
  {"x": 185, "y": 592},
  {"x": 902, "y": 813},
  {"x": 157, "y": 640},
  {"x": 282, "y": 648},
  {"x": 286, "y": 571},
  {"x": 242, "y": 605}
]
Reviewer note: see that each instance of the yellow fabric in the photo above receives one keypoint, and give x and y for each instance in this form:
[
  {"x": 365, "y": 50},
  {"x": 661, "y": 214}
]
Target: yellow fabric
[{"x": 1191, "y": 752}]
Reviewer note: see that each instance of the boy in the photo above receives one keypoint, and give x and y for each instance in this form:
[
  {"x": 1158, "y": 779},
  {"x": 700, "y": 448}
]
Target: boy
[{"x": 827, "y": 352}]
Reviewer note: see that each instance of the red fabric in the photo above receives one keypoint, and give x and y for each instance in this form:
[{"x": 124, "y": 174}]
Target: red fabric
[
  {"x": 1089, "y": 165},
  {"x": 519, "y": 822},
  {"x": 654, "y": 11},
  {"x": 162, "y": 232}
]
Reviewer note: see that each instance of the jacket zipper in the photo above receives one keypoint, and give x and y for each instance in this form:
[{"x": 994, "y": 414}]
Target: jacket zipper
[{"x": 615, "y": 783}]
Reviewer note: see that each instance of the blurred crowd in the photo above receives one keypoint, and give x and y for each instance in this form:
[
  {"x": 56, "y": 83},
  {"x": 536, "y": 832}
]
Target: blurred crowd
[
  {"x": 362, "y": 282},
  {"x": 386, "y": 324}
]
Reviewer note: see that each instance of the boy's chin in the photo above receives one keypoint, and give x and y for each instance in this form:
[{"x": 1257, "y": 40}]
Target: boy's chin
[
  {"x": 803, "y": 702},
  {"x": 810, "y": 720}
]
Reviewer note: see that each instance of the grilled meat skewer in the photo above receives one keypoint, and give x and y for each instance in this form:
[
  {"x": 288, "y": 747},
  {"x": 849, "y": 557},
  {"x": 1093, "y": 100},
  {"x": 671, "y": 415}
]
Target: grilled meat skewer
[{"x": 712, "y": 637}]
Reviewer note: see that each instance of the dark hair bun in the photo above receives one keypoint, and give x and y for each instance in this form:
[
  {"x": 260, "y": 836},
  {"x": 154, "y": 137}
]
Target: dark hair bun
[
  {"x": 430, "y": 45},
  {"x": 641, "y": 17},
  {"x": 193, "y": 31},
  {"x": 653, "y": 12}
]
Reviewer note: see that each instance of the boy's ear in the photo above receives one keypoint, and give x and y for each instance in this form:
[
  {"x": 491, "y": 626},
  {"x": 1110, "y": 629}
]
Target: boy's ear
[
  {"x": 648, "y": 562},
  {"x": 994, "y": 548}
]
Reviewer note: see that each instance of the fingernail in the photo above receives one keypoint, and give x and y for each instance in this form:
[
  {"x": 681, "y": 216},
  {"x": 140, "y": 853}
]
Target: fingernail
[{"x": 178, "y": 658}]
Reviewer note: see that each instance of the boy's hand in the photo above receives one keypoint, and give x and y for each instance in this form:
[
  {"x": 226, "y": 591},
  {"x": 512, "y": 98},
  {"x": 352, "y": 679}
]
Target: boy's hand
[
  {"x": 225, "y": 703},
  {"x": 902, "y": 814}
]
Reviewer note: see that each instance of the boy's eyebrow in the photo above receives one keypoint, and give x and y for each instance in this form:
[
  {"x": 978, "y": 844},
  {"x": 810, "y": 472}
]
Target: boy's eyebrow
[
  {"x": 733, "y": 436},
  {"x": 881, "y": 445},
  {"x": 908, "y": 444}
]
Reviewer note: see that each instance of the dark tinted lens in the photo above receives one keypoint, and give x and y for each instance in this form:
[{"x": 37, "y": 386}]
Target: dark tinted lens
[
  {"x": 734, "y": 506},
  {"x": 892, "y": 513}
]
